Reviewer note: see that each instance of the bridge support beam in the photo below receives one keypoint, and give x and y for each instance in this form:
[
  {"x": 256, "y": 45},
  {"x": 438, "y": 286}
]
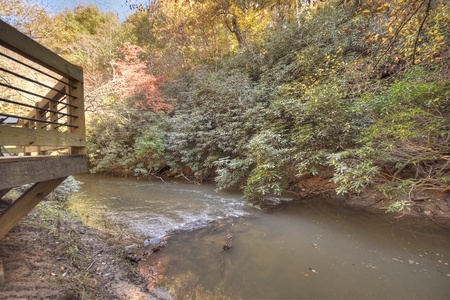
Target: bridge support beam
[
  {"x": 4, "y": 192},
  {"x": 25, "y": 203}
]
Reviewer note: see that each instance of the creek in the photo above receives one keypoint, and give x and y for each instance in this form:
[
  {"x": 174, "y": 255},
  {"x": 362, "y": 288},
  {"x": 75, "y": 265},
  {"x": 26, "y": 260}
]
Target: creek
[{"x": 302, "y": 249}]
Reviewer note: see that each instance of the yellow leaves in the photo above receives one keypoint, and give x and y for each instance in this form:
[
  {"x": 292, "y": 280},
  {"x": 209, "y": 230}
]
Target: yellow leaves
[
  {"x": 383, "y": 7},
  {"x": 373, "y": 38},
  {"x": 409, "y": 31},
  {"x": 366, "y": 12}
]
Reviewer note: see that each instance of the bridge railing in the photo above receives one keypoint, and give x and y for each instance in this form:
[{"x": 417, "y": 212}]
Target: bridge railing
[
  {"x": 41, "y": 114},
  {"x": 41, "y": 99}
]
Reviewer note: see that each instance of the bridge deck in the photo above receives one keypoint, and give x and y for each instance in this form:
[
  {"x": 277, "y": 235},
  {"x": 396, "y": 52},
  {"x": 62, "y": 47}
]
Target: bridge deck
[{"x": 20, "y": 170}]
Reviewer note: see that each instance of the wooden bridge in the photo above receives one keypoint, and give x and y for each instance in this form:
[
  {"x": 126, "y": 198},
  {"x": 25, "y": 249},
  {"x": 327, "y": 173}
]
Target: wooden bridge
[{"x": 42, "y": 123}]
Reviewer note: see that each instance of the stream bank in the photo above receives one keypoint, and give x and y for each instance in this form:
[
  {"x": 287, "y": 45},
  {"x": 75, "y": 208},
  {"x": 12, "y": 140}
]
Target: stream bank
[
  {"x": 51, "y": 254},
  {"x": 433, "y": 208}
]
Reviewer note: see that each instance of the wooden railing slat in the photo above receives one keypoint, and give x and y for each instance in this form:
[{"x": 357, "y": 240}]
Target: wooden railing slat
[{"x": 16, "y": 136}]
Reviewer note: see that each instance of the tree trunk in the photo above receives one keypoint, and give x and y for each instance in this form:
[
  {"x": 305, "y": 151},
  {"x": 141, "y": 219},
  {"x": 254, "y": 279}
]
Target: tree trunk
[{"x": 236, "y": 29}]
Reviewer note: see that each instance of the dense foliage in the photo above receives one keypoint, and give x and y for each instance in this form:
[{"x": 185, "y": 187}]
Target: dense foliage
[{"x": 270, "y": 96}]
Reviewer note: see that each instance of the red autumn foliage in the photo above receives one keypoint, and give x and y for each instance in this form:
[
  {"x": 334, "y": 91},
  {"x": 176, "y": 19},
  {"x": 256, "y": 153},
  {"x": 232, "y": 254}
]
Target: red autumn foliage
[{"x": 133, "y": 81}]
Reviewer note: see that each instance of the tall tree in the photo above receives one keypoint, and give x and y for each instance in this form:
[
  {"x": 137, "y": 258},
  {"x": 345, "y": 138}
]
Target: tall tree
[
  {"x": 133, "y": 81},
  {"x": 91, "y": 39},
  {"x": 152, "y": 9},
  {"x": 28, "y": 17}
]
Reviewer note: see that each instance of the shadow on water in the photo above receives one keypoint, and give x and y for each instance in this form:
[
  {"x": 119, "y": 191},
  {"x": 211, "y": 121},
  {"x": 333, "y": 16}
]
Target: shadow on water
[{"x": 305, "y": 249}]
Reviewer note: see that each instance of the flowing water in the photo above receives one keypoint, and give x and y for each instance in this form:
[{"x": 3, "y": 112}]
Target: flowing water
[{"x": 304, "y": 249}]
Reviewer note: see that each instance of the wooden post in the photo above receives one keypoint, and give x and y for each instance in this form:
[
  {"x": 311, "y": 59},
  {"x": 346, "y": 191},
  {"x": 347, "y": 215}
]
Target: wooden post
[
  {"x": 80, "y": 122},
  {"x": 25, "y": 203},
  {"x": 53, "y": 116},
  {"x": 40, "y": 115}
]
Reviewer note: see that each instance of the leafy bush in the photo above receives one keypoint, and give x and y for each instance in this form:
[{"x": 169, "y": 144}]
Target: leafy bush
[
  {"x": 231, "y": 172},
  {"x": 352, "y": 173},
  {"x": 210, "y": 121},
  {"x": 127, "y": 142},
  {"x": 272, "y": 155},
  {"x": 64, "y": 191}
]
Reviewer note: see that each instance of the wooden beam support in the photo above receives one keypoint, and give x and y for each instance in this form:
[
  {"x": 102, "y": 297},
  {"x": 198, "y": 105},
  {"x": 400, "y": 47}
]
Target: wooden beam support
[
  {"x": 20, "y": 170},
  {"x": 25, "y": 203},
  {"x": 56, "y": 94},
  {"x": 16, "y": 41},
  {"x": 4, "y": 192},
  {"x": 16, "y": 136}
]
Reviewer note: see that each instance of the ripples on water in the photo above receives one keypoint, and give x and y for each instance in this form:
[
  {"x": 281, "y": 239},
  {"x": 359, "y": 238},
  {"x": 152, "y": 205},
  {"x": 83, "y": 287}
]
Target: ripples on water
[
  {"x": 300, "y": 250},
  {"x": 152, "y": 208}
]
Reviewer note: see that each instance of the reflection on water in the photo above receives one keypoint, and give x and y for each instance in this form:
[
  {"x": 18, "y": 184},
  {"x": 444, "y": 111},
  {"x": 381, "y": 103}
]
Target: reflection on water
[{"x": 301, "y": 250}]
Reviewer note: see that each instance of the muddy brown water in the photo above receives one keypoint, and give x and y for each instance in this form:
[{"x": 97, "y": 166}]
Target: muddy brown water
[{"x": 303, "y": 249}]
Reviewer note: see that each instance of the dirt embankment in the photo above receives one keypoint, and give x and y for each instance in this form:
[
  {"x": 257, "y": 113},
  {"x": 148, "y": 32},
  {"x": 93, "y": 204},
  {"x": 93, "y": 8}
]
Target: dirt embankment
[
  {"x": 426, "y": 209},
  {"x": 428, "y": 206},
  {"x": 52, "y": 255}
]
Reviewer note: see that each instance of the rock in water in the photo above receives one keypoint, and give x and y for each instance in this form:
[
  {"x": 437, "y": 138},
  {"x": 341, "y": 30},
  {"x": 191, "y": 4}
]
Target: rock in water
[
  {"x": 130, "y": 248},
  {"x": 152, "y": 241},
  {"x": 227, "y": 246}
]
